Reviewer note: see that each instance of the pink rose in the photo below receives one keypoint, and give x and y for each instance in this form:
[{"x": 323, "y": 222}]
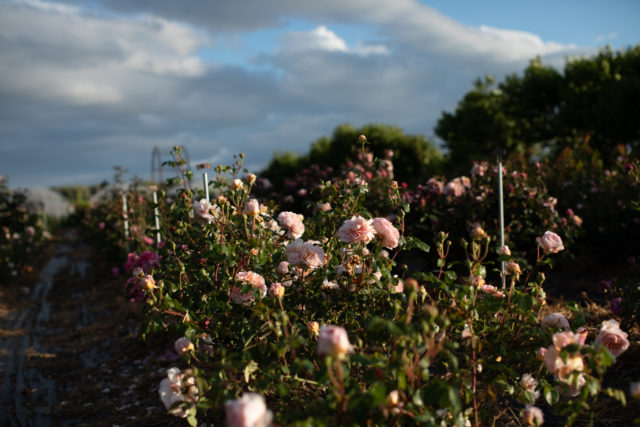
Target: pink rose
[
  {"x": 251, "y": 208},
  {"x": 292, "y": 223},
  {"x": 183, "y": 345},
  {"x": 386, "y": 232},
  {"x": 248, "y": 411},
  {"x": 454, "y": 188},
  {"x": 283, "y": 267},
  {"x": 357, "y": 230},
  {"x": 304, "y": 254},
  {"x": 170, "y": 392},
  {"x": 204, "y": 210},
  {"x": 249, "y": 278},
  {"x": 555, "y": 320},
  {"x": 555, "y": 363},
  {"x": 333, "y": 341},
  {"x": 612, "y": 337},
  {"x": 550, "y": 242},
  {"x": 276, "y": 290}
]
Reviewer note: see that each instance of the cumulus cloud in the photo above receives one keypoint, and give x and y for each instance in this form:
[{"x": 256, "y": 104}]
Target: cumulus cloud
[{"x": 94, "y": 88}]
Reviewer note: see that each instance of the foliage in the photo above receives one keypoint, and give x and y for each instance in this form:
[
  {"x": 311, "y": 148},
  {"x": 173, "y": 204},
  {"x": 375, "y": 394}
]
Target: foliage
[
  {"x": 545, "y": 108},
  {"x": 21, "y": 233}
]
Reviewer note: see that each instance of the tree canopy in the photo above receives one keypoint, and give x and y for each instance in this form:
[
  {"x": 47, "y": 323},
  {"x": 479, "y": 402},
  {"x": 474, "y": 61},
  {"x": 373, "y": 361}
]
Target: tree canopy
[{"x": 546, "y": 109}]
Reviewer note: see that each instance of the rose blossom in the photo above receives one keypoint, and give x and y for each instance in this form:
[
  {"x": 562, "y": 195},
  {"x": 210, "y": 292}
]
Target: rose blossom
[
  {"x": 251, "y": 208},
  {"x": 454, "y": 188},
  {"x": 304, "y": 254},
  {"x": 504, "y": 251},
  {"x": 612, "y": 337},
  {"x": 182, "y": 345},
  {"x": 249, "y": 278},
  {"x": 513, "y": 268},
  {"x": 386, "y": 232},
  {"x": 237, "y": 184},
  {"x": 250, "y": 410},
  {"x": 276, "y": 290},
  {"x": 357, "y": 230},
  {"x": 203, "y": 210},
  {"x": 313, "y": 327},
  {"x": 477, "y": 232},
  {"x": 555, "y": 320},
  {"x": 176, "y": 388},
  {"x": 148, "y": 282},
  {"x": 283, "y": 267},
  {"x": 333, "y": 341},
  {"x": 554, "y": 361},
  {"x": 529, "y": 383},
  {"x": 532, "y": 415},
  {"x": 291, "y": 222},
  {"x": 550, "y": 242}
]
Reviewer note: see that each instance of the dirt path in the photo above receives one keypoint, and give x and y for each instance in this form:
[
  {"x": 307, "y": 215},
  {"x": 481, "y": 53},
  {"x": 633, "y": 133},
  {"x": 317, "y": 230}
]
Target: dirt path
[{"x": 69, "y": 348}]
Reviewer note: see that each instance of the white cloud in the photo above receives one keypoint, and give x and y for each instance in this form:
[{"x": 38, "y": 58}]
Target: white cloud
[{"x": 320, "y": 38}]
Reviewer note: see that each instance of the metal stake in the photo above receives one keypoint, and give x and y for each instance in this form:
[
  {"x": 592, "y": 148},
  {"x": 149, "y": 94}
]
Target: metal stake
[
  {"x": 156, "y": 213},
  {"x": 125, "y": 217},
  {"x": 501, "y": 203},
  {"x": 205, "y": 185}
]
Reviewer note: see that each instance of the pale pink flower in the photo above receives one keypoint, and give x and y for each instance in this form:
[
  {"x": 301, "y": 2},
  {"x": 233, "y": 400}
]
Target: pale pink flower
[
  {"x": 576, "y": 220},
  {"x": 479, "y": 169},
  {"x": 550, "y": 203},
  {"x": 148, "y": 282},
  {"x": 489, "y": 289},
  {"x": 454, "y": 188},
  {"x": 329, "y": 285},
  {"x": 398, "y": 288},
  {"x": 513, "y": 268},
  {"x": 237, "y": 184},
  {"x": 250, "y": 410},
  {"x": 533, "y": 416},
  {"x": 434, "y": 185},
  {"x": 304, "y": 254},
  {"x": 555, "y": 320},
  {"x": 333, "y": 341},
  {"x": 386, "y": 232},
  {"x": 276, "y": 290},
  {"x": 183, "y": 345},
  {"x": 205, "y": 210},
  {"x": 324, "y": 207},
  {"x": 250, "y": 178},
  {"x": 529, "y": 383},
  {"x": 292, "y": 223},
  {"x": 477, "y": 232},
  {"x": 249, "y": 278},
  {"x": 357, "y": 230},
  {"x": 283, "y": 267},
  {"x": 251, "y": 208},
  {"x": 612, "y": 337},
  {"x": 171, "y": 391},
  {"x": 313, "y": 327},
  {"x": 550, "y": 242},
  {"x": 504, "y": 251},
  {"x": 554, "y": 362},
  {"x": 540, "y": 353}
]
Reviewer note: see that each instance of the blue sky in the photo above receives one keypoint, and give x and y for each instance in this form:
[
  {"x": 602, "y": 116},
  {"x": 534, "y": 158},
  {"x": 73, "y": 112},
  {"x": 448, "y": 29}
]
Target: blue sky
[{"x": 87, "y": 85}]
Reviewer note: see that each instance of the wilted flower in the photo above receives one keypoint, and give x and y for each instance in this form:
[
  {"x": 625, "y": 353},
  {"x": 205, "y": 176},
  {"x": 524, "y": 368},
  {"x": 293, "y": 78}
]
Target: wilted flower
[
  {"x": 357, "y": 230},
  {"x": 550, "y": 242},
  {"x": 333, "y": 341},
  {"x": 555, "y": 320},
  {"x": 634, "y": 390},
  {"x": 313, "y": 327},
  {"x": 529, "y": 383},
  {"x": 324, "y": 207},
  {"x": 532, "y": 415},
  {"x": 612, "y": 337},
  {"x": 513, "y": 268},
  {"x": 250, "y": 410},
  {"x": 550, "y": 203},
  {"x": 386, "y": 232},
  {"x": 250, "y": 178},
  {"x": 183, "y": 345}
]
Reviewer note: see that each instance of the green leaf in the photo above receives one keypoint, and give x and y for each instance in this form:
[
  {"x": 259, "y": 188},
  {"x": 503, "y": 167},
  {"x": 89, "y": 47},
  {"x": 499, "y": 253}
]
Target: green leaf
[{"x": 551, "y": 395}]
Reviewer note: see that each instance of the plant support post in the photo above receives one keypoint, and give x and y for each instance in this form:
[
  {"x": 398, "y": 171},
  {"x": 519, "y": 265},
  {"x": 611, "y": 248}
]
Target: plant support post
[
  {"x": 205, "y": 185},
  {"x": 501, "y": 204},
  {"x": 156, "y": 214},
  {"x": 125, "y": 217}
]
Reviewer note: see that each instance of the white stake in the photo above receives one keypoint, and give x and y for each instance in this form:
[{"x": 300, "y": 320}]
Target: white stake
[
  {"x": 205, "y": 185},
  {"x": 156, "y": 213},
  {"x": 501, "y": 203},
  {"x": 125, "y": 217}
]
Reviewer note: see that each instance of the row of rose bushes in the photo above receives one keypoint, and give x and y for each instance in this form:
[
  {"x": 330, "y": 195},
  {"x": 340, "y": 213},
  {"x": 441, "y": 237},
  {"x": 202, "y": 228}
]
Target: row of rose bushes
[
  {"x": 318, "y": 315},
  {"x": 21, "y": 233}
]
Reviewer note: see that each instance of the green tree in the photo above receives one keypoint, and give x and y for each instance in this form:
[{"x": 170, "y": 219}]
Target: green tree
[
  {"x": 414, "y": 155},
  {"x": 548, "y": 110}
]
